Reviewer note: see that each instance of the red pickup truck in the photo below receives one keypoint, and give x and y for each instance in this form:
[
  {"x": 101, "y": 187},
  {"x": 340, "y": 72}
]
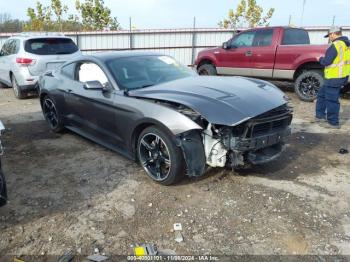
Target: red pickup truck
[{"x": 276, "y": 53}]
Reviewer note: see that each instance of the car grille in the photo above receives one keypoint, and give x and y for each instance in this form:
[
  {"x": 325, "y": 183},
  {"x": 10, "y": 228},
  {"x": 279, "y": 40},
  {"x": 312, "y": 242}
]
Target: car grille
[{"x": 270, "y": 122}]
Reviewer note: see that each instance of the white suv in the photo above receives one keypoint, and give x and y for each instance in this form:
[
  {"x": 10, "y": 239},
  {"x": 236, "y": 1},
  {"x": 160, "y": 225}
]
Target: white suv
[{"x": 24, "y": 57}]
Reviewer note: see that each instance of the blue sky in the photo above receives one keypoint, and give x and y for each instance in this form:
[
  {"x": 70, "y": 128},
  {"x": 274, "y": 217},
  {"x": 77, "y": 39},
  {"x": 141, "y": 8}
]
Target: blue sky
[{"x": 180, "y": 13}]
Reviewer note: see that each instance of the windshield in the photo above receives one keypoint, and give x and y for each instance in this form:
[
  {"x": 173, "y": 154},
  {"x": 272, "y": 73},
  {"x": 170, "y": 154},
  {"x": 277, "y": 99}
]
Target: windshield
[{"x": 143, "y": 71}]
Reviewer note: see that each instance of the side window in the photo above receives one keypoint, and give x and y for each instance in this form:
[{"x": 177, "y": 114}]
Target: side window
[
  {"x": 295, "y": 36},
  {"x": 243, "y": 40},
  {"x": 91, "y": 72},
  {"x": 17, "y": 46},
  {"x": 11, "y": 47},
  {"x": 263, "y": 37},
  {"x": 5, "y": 47},
  {"x": 69, "y": 71}
]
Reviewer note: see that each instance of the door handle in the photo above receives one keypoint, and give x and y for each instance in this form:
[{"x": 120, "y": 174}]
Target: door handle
[
  {"x": 248, "y": 53},
  {"x": 69, "y": 91}
]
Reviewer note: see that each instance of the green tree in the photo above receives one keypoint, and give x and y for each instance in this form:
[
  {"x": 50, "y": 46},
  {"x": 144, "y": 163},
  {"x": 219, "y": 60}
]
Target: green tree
[
  {"x": 39, "y": 18},
  {"x": 59, "y": 10},
  {"x": 248, "y": 13},
  {"x": 53, "y": 17},
  {"x": 96, "y": 16}
]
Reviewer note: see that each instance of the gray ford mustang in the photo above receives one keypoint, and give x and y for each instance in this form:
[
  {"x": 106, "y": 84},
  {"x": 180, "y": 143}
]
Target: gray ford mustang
[{"x": 150, "y": 108}]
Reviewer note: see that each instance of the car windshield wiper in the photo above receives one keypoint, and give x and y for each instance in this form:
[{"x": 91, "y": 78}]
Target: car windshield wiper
[
  {"x": 137, "y": 88},
  {"x": 148, "y": 85},
  {"x": 140, "y": 87}
]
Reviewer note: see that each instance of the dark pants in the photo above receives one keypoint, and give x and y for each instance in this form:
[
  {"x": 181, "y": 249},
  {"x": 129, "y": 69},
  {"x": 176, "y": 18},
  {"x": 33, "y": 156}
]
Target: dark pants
[{"x": 327, "y": 105}]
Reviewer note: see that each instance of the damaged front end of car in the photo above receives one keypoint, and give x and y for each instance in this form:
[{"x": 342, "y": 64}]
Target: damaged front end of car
[{"x": 257, "y": 140}]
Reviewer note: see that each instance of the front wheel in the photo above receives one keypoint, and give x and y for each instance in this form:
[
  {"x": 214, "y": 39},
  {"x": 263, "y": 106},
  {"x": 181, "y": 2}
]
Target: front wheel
[
  {"x": 307, "y": 85},
  {"x": 160, "y": 157},
  {"x": 51, "y": 114},
  {"x": 207, "y": 69}
]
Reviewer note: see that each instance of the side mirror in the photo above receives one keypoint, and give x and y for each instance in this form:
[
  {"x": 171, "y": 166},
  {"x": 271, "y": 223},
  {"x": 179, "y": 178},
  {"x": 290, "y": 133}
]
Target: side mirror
[
  {"x": 93, "y": 85},
  {"x": 225, "y": 45}
]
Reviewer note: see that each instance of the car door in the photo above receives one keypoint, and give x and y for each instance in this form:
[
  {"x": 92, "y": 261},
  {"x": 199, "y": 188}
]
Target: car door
[
  {"x": 263, "y": 53},
  {"x": 236, "y": 58},
  {"x": 4, "y": 62},
  {"x": 91, "y": 110}
]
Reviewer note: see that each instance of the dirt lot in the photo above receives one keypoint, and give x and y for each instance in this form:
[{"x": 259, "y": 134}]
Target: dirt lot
[{"x": 69, "y": 193}]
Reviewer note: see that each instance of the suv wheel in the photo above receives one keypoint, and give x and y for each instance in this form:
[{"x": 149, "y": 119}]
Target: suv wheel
[
  {"x": 207, "y": 69},
  {"x": 307, "y": 85},
  {"x": 19, "y": 93}
]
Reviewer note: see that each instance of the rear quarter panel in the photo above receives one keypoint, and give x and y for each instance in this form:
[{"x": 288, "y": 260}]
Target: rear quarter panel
[{"x": 51, "y": 86}]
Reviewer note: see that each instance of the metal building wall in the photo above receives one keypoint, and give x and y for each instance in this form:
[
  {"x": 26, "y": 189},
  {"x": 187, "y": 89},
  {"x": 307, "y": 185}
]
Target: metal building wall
[{"x": 183, "y": 44}]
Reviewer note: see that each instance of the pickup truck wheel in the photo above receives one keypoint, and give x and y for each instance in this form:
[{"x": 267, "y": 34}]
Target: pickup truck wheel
[
  {"x": 307, "y": 85},
  {"x": 345, "y": 89},
  {"x": 207, "y": 69}
]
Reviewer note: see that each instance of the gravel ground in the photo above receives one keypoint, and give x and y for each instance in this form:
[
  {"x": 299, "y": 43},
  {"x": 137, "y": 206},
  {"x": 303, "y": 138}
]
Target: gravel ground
[{"x": 67, "y": 193}]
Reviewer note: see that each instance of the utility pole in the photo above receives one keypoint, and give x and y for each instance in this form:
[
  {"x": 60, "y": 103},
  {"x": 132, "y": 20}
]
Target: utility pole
[
  {"x": 290, "y": 20},
  {"x": 302, "y": 13},
  {"x": 194, "y": 40},
  {"x": 333, "y": 20},
  {"x": 131, "y": 44}
]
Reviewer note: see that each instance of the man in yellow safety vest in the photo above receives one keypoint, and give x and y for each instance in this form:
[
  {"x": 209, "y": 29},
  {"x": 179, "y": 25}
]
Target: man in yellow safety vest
[{"x": 337, "y": 70}]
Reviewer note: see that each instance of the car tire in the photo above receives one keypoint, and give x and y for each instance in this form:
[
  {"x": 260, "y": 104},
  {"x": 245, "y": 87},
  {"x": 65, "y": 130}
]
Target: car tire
[
  {"x": 307, "y": 85},
  {"x": 3, "y": 191},
  {"x": 17, "y": 90},
  {"x": 162, "y": 161},
  {"x": 2, "y": 85},
  {"x": 345, "y": 89},
  {"x": 51, "y": 114},
  {"x": 207, "y": 69}
]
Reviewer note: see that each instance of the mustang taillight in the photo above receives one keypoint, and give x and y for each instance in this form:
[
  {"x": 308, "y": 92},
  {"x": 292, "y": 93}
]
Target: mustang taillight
[{"x": 25, "y": 61}]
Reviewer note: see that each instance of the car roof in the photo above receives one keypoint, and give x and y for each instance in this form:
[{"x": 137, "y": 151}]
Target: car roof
[
  {"x": 272, "y": 27},
  {"x": 33, "y": 35},
  {"x": 104, "y": 56}
]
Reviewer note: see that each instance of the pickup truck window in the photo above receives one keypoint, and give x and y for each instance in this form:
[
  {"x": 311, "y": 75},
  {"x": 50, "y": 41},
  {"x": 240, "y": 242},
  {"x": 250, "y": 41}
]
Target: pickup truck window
[
  {"x": 263, "y": 37},
  {"x": 295, "y": 36},
  {"x": 243, "y": 40}
]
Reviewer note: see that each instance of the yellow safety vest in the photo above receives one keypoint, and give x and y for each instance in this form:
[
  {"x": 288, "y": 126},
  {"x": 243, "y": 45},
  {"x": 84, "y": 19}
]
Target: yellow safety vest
[{"x": 341, "y": 65}]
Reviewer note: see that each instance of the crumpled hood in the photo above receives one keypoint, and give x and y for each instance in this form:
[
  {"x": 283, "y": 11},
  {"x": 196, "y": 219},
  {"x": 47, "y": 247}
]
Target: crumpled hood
[{"x": 220, "y": 100}]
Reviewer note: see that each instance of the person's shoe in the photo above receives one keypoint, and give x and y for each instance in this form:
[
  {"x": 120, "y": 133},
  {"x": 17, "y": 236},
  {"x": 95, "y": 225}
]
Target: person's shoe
[
  {"x": 320, "y": 120},
  {"x": 330, "y": 126}
]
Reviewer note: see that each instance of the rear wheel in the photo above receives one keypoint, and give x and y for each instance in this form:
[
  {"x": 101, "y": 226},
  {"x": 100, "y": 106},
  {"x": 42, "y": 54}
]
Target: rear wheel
[
  {"x": 51, "y": 114},
  {"x": 207, "y": 69},
  {"x": 17, "y": 90},
  {"x": 307, "y": 85},
  {"x": 160, "y": 157}
]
